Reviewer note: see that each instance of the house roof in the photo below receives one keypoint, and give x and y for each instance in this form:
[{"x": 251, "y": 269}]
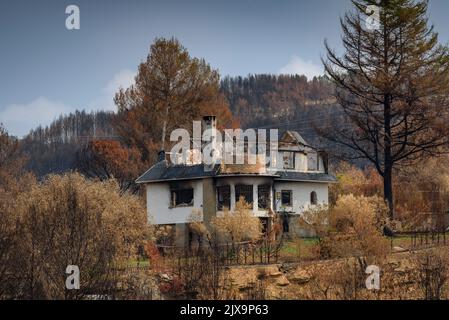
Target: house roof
[
  {"x": 299, "y": 139},
  {"x": 163, "y": 171},
  {"x": 293, "y": 141},
  {"x": 305, "y": 176}
]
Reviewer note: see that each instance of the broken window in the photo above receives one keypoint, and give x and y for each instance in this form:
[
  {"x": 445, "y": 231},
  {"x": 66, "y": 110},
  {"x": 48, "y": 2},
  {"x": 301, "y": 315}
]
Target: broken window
[
  {"x": 313, "y": 198},
  {"x": 263, "y": 197},
  {"x": 182, "y": 197},
  {"x": 245, "y": 191},
  {"x": 286, "y": 198},
  {"x": 289, "y": 160},
  {"x": 312, "y": 161},
  {"x": 223, "y": 197}
]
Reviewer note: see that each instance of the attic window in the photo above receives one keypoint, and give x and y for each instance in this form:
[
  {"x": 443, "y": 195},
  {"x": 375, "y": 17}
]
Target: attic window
[
  {"x": 245, "y": 191},
  {"x": 289, "y": 160},
  {"x": 263, "y": 197},
  {"x": 182, "y": 198},
  {"x": 312, "y": 161},
  {"x": 223, "y": 197}
]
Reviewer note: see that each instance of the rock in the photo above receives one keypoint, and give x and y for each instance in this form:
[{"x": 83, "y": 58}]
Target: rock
[
  {"x": 300, "y": 276},
  {"x": 245, "y": 286},
  {"x": 282, "y": 281},
  {"x": 268, "y": 272},
  {"x": 243, "y": 278},
  {"x": 399, "y": 249}
]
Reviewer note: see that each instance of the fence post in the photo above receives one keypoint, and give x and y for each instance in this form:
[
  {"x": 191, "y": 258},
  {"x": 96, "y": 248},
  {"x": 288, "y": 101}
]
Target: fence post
[{"x": 254, "y": 255}]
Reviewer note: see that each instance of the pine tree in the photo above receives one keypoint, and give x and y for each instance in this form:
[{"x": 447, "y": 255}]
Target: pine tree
[{"x": 392, "y": 85}]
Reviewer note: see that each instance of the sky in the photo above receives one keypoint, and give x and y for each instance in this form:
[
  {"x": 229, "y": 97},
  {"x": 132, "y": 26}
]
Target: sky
[{"x": 47, "y": 70}]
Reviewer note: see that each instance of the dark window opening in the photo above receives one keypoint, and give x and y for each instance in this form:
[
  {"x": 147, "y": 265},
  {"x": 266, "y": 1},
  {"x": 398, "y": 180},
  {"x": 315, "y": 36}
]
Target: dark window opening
[
  {"x": 289, "y": 160},
  {"x": 286, "y": 197},
  {"x": 263, "y": 197},
  {"x": 223, "y": 197},
  {"x": 245, "y": 191},
  {"x": 182, "y": 197},
  {"x": 313, "y": 198}
]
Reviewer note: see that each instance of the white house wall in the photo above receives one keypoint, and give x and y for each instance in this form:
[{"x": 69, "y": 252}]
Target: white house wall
[
  {"x": 160, "y": 212},
  {"x": 301, "y": 195},
  {"x": 158, "y": 203}
]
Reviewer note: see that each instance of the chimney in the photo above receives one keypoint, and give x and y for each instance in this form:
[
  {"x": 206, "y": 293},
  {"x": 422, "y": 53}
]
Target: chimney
[
  {"x": 210, "y": 123},
  {"x": 161, "y": 156}
]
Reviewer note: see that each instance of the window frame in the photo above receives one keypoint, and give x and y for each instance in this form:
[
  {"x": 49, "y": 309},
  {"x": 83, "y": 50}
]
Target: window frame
[
  {"x": 174, "y": 196},
  {"x": 221, "y": 205},
  {"x": 292, "y": 165},
  {"x": 290, "y": 192},
  {"x": 238, "y": 193},
  {"x": 316, "y": 157},
  {"x": 266, "y": 188}
]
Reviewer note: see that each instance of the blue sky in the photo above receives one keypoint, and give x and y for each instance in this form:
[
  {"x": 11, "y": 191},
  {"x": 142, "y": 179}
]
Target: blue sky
[{"x": 46, "y": 70}]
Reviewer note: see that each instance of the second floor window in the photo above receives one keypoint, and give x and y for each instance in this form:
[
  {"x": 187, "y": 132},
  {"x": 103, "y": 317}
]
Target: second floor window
[
  {"x": 289, "y": 160},
  {"x": 182, "y": 198},
  {"x": 312, "y": 162},
  {"x": 245, "y": 192}
]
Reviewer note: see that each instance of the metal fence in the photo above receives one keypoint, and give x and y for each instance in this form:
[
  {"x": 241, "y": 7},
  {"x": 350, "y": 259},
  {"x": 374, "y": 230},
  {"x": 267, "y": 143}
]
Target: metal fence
[{"x": 228, "y": 254}]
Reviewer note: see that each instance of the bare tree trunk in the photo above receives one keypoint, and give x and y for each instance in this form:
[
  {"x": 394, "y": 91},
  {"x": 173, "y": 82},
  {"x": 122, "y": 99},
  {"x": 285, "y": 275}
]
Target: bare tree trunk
[
  {"x": 164, "y": 128},
  {"x": 388, "y": 191},
  {"x": 388, "y": 165}
]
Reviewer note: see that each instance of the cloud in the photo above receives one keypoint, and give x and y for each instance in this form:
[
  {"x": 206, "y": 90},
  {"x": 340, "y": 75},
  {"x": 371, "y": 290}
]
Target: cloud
[
  {"x": 18, "y": 119},
  {"x": 123, "y": 79},
  {"x": 297, "y": 65}
]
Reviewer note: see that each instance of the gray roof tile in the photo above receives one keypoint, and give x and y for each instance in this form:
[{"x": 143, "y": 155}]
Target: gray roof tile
[{"x": 162, "y": 171}]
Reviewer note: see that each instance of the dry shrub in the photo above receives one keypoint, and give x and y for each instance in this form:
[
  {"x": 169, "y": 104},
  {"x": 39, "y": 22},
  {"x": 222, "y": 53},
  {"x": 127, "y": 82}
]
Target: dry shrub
[
  {"x": 419, "y": 190},
  {"x": 201, "y": 276},
  {"x": 355, "y": 228},
  {"x": 433, "y": 270},
  {"x": 69, "y": 220},
  {"x": 196, "y": 225},
  {"x": 316, "y": 219},
  {"x": 352, "y": 180},
  {"x": 154, "y": 256},
  {"x": 342, "y": 280},
  {"x": 164, "y": 235},
  {"x": 238, "y": 225}
]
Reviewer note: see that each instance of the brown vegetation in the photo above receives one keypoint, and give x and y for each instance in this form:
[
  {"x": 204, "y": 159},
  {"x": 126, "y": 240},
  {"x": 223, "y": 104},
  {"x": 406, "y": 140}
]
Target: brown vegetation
[{"x": 68, "y": 220}]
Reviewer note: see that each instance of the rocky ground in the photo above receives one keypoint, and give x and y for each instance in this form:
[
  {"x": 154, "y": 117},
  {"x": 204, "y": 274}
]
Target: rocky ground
[{"x": 336, "y": 279}]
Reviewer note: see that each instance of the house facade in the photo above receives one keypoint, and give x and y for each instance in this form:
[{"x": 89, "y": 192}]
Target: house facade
[{"x": 296, "y": 180}]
